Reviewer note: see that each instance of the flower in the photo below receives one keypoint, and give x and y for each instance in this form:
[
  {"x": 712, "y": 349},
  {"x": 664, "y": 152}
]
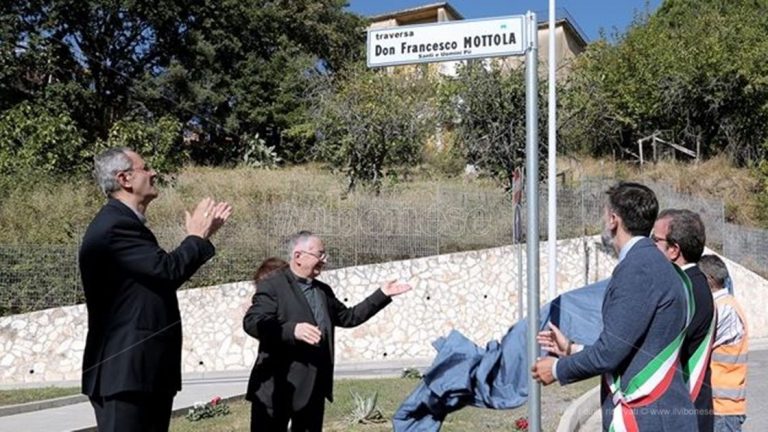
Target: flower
[
  {"x": 521, "y": 424},
  {"x": 202, "y": 410}
]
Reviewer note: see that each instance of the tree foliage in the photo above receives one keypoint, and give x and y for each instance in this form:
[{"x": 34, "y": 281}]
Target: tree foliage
[
  {"x": 36, "y": 142},
  {"x": 369, "y": 121},
  {"x": 159, "y": 140},
  {"x": 224, "y": 70},
  {"x": 247, "y": 68},
  {"x": 694, "y": 71},
  {"x": 486, "y": 105}
]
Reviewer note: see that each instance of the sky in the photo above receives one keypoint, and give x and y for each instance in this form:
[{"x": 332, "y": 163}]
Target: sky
[{"x": 590, "y": 15}]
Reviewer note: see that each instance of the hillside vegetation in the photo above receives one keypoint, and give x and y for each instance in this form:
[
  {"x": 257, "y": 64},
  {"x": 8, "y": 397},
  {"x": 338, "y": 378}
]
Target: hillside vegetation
[
  {"x": 56, "y": 212},
  {"x": 431, "y": 214},
  {"x": 259, "y": 83}
]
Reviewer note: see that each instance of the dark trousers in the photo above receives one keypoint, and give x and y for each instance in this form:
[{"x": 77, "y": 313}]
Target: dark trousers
[
  {"x": 133, "y": 412},
  {"x": 307, "y": 419}
]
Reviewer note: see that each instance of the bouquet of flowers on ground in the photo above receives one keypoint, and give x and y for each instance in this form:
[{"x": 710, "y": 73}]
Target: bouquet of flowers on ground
[
  {"x": 202, "y": 410},
  {"x": 521, "y": 424}
]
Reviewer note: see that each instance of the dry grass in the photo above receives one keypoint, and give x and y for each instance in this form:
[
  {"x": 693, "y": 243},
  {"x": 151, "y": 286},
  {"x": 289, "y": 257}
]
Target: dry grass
[
  {"x": 57, "y": 213},
  {"x": 41, "y": 225},
  {"x": 715, "y": 178}
]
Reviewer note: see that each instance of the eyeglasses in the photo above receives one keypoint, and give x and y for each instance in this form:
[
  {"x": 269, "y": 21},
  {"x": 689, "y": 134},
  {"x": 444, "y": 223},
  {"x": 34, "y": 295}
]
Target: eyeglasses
[
  {"x": 145, "y": 168},
  {"x": 322, "y": 256}
]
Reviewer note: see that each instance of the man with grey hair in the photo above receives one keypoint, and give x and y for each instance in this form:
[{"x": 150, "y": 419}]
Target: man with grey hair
[
  {"x": 132, "y": 358},
  {"x": 293, "y": 316}
]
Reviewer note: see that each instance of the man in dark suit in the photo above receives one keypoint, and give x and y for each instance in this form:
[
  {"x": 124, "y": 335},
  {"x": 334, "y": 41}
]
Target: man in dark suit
[
  {"x": 646, "y": 310},
  {"x": 132, "y": 359},
  {"x": 293, "y": 316},
  {"x": 681, "y": 236}
]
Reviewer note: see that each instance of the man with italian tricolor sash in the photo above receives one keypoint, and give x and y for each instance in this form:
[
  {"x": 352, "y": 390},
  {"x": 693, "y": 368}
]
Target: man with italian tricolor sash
[
  {"x": 680, "y": 236},
  {"x": 646, "y": 310}
]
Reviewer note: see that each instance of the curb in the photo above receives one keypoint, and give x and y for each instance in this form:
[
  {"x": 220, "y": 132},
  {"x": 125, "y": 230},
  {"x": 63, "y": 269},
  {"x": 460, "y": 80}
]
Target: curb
[
  {"x": 351, "y": 370},
  {"x": 41, "y": 405},
  {"x": 358, "y": 370},
  {"x": 579, "y": 411},
  {"x": 178, "y": 412}
]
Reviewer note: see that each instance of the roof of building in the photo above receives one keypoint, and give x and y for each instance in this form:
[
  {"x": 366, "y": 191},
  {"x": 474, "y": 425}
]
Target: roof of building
[
  {"x": 568, "y": 25},
  {"x": 419, "y": 13},
  {"x": 418, "y": 10}
]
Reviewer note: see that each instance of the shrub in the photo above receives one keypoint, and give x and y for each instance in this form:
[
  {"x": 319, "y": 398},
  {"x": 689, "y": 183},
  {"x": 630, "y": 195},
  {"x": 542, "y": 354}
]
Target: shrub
[
  {"x": 365, "y": 411},
  {"x": 38, "y": 141},
  {"x": 158, "y": 141}
]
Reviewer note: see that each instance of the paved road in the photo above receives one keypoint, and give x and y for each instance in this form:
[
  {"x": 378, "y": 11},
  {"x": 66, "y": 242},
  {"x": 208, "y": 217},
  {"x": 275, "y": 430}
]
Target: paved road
[
  {"x": 757, "y": 395},
  {"x": 757, "y": 392},
  {"x": 198, "y": 387},
  {"x": 195, "y": 388}
]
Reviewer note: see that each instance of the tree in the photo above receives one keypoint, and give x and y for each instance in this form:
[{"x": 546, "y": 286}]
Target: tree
[
  {"x": 36, "y": 142},
  {"x": 693, "y": 71},
  {"x": 372, "y": 121},
  {"x": 226, "y": 70},
  {"x": 105, "y": 47},
  {"x": 160, "y": 140},
  {"x": 486, "y": 104},
  {"x": 247, "y": 69}
]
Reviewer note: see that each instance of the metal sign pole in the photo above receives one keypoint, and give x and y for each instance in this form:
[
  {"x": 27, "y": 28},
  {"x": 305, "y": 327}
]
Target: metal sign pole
[
  {"x": 552, "y": 160},
  {"x": 532, "y": 239}
]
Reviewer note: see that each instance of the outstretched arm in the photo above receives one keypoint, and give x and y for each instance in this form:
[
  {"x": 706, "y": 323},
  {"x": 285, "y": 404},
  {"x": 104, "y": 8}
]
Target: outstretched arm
[{"x": 344, "y": 316}]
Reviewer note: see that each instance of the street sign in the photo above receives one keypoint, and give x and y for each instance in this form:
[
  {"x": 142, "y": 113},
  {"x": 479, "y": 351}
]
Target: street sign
[{"x": 447, "y": 41}]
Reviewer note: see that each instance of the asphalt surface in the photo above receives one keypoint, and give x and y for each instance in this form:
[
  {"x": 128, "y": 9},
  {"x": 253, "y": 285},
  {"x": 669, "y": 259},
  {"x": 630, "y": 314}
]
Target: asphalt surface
[
  {"x": 195, "y": 388},
  {"x": 757, "y": 395}
]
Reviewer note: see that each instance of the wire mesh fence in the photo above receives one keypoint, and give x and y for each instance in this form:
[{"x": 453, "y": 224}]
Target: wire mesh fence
[
  {"x": 747, "y": 246},
  {"x": 36, "y": 277},
  {"x": 368, "y": 229}
]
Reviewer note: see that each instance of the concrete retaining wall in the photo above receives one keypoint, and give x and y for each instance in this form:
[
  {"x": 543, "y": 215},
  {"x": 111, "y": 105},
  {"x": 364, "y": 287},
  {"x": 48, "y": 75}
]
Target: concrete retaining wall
[{"x": 474, "y": 292}]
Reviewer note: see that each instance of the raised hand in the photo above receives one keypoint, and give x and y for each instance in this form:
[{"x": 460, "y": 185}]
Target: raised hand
[
  {"x": 207, "y": 217},
  {"x": 221, "y": 212},
  {"x": 553, "y": 341},
  {"x": 308, "y": 333},
  {"x": 393, "y": 288}
]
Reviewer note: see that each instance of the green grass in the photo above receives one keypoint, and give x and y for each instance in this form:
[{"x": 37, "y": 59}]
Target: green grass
[
  {"x": 391, "y": 392},
  {"x": 18, "y": 396}
]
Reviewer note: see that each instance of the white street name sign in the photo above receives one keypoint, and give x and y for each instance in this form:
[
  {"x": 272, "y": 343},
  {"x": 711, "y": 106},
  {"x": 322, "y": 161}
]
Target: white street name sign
[{"x": 447, "y": 41}]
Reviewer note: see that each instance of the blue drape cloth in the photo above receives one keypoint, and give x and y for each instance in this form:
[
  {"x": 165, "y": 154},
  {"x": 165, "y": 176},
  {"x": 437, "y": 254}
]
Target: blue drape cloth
[{"x": 496, "y": 376}]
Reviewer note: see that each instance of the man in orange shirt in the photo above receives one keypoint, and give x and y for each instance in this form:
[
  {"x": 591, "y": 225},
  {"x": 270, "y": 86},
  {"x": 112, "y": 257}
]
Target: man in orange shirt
[{"x": 729, "y": 353}]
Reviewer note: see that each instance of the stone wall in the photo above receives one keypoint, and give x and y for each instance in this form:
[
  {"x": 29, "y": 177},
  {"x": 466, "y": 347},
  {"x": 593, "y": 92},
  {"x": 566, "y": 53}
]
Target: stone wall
[{"x": 473, "y": 292}]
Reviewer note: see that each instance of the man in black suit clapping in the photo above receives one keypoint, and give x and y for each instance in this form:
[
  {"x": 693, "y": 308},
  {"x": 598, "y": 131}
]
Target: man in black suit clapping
[{"x": 132, "y": 359}]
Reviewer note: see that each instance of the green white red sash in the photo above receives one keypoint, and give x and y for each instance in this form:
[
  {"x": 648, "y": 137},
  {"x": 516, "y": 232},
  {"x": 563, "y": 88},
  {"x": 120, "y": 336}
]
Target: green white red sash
[
  {"x": 654, "y": 379},
  {"x": 696, "y": 366}
]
